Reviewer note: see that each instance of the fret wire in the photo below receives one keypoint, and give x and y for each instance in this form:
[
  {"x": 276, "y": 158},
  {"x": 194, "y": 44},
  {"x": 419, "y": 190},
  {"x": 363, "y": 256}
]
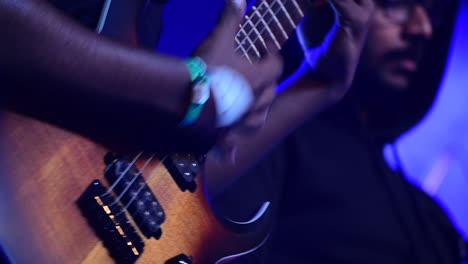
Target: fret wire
[
  {"x": 301, "y": 13},
  {"x": 294, "y": 8},
  {"x": 251, "y": 43},
  {"x": 244, "y": 24},
  {"x": 262, "y": 19},
  {"x": 254, "y": 28},
  {"x": 287, "y": 13},
  {"x": 243, "y": 49},
  {"x": 276, "y": 19},
  {"x": 273, "y": 18},
  {"x": 247, "y": 35},
  {"x": 269, "y": 9}
]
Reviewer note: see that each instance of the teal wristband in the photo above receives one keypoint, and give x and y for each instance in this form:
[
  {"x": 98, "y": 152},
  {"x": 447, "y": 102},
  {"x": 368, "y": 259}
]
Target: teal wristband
[
  {"x": 192, "y": 114},
  {"x": 200, "y": 90},
  {"x": 196, "y": 67},
  {"x": 200, "y": 94}
]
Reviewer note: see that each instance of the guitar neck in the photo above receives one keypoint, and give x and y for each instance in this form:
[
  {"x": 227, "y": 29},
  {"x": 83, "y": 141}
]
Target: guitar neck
[{"x": 268, "y": 23}]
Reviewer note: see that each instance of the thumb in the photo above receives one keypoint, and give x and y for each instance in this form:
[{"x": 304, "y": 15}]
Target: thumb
[{"x": 231, "y": 17}]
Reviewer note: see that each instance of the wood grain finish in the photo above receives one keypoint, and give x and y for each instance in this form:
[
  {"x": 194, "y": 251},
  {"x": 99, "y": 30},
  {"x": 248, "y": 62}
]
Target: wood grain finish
[
  {"x": 43, "y": 172},
  {"x": 44, "y": 169}
]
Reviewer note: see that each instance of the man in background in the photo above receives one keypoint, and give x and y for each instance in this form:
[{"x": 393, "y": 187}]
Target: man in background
[
  {"x": 92, "y": 79},
  {"x": 338, "y": 200}
]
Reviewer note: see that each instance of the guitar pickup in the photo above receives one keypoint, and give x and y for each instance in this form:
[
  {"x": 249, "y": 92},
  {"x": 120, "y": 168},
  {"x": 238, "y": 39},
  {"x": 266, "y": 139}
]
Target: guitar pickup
[
  {"x": 136, "y": 196},
  {"x": 183, "y": 169},
  {"x": 110, "y": 223}
]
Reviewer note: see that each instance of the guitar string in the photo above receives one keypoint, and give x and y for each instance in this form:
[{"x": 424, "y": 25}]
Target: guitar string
[
  {"x": 152, "y": 173},
  {"x": 129, "y": 184},
  {"x": 140, "y": 172},
  {"x": 261, "y": 17},
  {"x": 245, "y": 24},
  {"x": 111, "y": 188},
  {"x": 143, "y": 184},
  {"x": 122, "y": 174},
  {"x": 124, "y": 210},
  {"x": 268, "y": 23},
  {"x": 134, "y": 196},
  {"x": 252, "y": 30},
  {"x": 269, "y": 7}
]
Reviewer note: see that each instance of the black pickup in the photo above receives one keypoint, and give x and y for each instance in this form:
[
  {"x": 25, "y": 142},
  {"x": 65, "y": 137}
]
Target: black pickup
[
  {"x": 136, "y": 197},
  {"x": 183, "y": 169},
  {"x": 110, "y": 224}
]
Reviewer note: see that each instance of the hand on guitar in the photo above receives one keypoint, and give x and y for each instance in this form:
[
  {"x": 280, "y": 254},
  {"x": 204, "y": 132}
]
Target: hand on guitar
[
  {"x": 262, "y": 74},
  {"x": 334, "y": 58},
  {"x": 323, "y": 79},
  {"x": 114, "y": 93}
]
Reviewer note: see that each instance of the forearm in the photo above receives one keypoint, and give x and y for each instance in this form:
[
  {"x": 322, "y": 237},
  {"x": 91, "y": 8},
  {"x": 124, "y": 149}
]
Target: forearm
[
  {"x": 315, "y": 86},
  {"x": 39, "y": 44},
  {"x": 301, "y": 100},
  {"x": 57, "y": 71}
]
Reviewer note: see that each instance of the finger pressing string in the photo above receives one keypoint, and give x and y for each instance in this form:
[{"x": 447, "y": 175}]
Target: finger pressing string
[{"x": 240, "y": 5}]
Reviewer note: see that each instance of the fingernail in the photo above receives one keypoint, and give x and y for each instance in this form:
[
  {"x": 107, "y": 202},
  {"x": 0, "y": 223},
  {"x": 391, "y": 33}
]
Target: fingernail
[{"x": 238, "y": 3}]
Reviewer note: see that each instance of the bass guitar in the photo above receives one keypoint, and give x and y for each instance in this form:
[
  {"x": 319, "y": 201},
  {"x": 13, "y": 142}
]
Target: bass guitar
[{"x": 67, "y": 199}]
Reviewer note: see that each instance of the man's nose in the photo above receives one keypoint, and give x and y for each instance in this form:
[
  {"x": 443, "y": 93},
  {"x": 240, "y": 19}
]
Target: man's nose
[{"x": 419, "y": 24}]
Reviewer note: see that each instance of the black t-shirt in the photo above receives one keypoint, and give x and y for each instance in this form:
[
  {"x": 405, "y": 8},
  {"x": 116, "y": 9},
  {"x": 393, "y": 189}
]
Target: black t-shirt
[{"x": 341, "y": 203}]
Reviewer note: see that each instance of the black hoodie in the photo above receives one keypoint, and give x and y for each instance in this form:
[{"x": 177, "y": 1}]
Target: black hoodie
[{"x": 337, "y": 199}]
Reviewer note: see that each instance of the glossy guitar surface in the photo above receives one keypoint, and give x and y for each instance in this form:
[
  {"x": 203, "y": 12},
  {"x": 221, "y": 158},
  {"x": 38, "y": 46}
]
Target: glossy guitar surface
[{"x": 67, "y": 199}]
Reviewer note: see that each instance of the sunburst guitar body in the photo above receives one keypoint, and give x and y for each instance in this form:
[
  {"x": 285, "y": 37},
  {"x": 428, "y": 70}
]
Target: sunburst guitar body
[
  {"x": 57, "y": 207},
  {"x": 66, "y": 199}
]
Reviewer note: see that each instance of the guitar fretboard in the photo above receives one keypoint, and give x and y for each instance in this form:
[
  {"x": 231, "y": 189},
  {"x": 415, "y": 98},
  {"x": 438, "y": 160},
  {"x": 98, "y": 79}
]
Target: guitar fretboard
[{"x": 268, "y": 21}]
